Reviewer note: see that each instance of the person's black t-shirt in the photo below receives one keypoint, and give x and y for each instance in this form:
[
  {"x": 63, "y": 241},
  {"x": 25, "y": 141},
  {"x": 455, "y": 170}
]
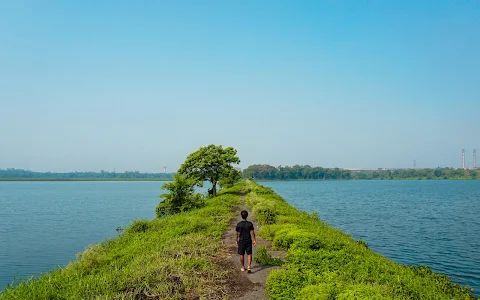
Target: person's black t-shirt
[{"x": 243, "y": 229}]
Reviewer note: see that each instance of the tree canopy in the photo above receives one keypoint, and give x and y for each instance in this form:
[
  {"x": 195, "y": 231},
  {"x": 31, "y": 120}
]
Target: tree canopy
[{"x": 211, "y": 163}]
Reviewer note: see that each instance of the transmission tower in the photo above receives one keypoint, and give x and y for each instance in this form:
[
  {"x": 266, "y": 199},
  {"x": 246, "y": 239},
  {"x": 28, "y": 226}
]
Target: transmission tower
[{"x": 474, "y": 158}]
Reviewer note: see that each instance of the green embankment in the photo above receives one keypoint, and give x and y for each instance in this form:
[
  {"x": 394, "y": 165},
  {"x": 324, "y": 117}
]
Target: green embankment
[
  {"x": 324, "y": 263},
  {"x": 168, "y": 258}
]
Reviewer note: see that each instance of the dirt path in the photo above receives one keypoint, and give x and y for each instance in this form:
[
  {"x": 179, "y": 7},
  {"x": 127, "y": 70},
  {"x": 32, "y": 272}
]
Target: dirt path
[{"x": 256, "y": 289}]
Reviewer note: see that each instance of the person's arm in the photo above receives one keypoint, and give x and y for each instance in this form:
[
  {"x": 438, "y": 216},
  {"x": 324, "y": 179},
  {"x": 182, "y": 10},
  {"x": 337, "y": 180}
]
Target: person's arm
[
  {"x": 252, "y": 232},
  {"x": 236, "y": 239}
]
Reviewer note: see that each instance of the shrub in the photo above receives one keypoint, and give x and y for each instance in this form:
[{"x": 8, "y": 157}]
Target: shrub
[
  {"x": 323, "y": 291},
  {"x": 251, "y": 199},
  {"x": 180, "y": 198},
  {"x": 298, "y": 238},
  {"x": 286, "y": 284},
  {"x": 264, "y": 258},
  {"x": 230, "y": 177},
  {"x": 264, "y": 212},
  {"x": 268, "y": 231},
  {"x": 139, "y": 226},
  {"x": 361, "y": 292}
]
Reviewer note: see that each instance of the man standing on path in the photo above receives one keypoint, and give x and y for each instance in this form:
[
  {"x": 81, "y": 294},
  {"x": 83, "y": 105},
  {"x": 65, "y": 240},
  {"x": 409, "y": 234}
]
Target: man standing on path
[{"x": 244, "y": 240}]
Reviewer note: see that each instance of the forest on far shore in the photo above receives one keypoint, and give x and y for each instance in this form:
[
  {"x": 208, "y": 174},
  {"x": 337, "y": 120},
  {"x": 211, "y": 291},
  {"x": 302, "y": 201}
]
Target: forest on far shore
[
  {"x": 261, "y": 172},
  {"x": 19, "y": 174},
  {"x": 298, "y": 172}
]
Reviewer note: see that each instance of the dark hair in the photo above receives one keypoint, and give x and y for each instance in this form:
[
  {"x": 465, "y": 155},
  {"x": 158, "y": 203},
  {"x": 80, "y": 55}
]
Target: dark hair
[{"x": 244, "y": 214}]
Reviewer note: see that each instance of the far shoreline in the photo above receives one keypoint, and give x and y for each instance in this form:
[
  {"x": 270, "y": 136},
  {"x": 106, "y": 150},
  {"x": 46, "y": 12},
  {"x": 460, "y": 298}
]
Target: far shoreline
[
  {"x": 256, "y": 180},
  {"x": 83, "y": 179}
]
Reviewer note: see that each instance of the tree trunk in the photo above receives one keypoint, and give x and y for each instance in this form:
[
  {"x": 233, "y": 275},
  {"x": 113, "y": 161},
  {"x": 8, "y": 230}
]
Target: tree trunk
[{"x": 214, "y": 188}]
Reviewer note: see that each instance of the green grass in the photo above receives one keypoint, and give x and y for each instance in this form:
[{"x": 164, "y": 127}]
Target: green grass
[
  {"x": 324, "y": 263},
  {"x": 168, "y": 258}
]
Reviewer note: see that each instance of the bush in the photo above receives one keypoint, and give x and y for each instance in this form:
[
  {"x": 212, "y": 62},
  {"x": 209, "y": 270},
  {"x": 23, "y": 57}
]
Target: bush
[
  {"x": 264, "y": 258},
  {"x": 180, "y": 198},
  {"x": 360, "y": 292},
  {"x": 264, "y": 212},
  {"x": 297, "y": 238},
  {"x": 230, "y": 177},
  {"x": 286, "y": 284},
  {"x": 139, "y": 226},
  {"x": 323, "y": 291},
  {"x": 268, "y": 231},
  {"x": 251, "y": 199}
]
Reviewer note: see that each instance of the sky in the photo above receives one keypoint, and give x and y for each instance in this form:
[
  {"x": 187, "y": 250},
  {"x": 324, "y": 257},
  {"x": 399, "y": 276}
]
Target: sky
[{"x": 138, "y": 85}]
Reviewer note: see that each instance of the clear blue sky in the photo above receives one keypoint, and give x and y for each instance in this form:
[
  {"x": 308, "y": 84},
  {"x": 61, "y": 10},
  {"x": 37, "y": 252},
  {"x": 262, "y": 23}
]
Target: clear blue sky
[{"x": 91, "y": 85}]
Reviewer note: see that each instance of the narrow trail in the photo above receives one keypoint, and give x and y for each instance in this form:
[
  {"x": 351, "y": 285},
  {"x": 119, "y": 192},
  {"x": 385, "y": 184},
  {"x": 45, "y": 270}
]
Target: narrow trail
[{"x": 256, "y": 289}]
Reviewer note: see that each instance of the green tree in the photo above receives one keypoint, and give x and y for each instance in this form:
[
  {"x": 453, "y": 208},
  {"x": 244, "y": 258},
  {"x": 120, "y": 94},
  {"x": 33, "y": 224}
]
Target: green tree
[
  {"x": 181, "y": 196},
  {"x": 211, "y": 163},
  {"x": 231, "y": 177},
  {"x": 473, "y": 174},
  {"x": 438, "y": 172}
]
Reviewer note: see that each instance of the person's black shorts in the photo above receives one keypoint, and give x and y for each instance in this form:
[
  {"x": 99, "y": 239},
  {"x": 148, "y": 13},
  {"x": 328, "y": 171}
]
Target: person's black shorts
[{"x": 245, "y": 246}]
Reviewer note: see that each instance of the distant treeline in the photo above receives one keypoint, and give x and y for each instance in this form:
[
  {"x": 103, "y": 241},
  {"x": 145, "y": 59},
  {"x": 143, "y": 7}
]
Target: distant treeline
[
  {"x": 18, "y": 174},
  {"x": 259, "y": 172},
  {"x": 267, "y": 172},
  {"x": 297, "y": 172}
]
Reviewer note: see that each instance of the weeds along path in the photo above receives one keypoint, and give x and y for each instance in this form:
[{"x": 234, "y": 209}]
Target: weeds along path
[{"x": 258, "y": 277}]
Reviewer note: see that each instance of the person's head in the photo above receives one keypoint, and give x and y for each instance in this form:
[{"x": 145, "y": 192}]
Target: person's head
[{"x": 244, "y": 214}]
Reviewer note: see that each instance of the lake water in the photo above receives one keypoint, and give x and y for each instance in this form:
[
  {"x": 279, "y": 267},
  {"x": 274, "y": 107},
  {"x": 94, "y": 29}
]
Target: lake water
[
  {"x": 44, "y": 224},
  {"x": 433, "y": 223}
]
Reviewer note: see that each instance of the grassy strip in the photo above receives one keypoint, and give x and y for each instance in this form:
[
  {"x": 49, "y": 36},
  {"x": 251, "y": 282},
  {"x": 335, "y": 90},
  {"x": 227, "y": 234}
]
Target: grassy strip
[
  {"x": 167, "y": 258},
  {"x": 324, "y": 263}
]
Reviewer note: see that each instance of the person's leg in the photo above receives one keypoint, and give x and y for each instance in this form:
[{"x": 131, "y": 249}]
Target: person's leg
[
  {"x": 242, "y": 262},
  {"x": 249, "y": 250},
  {"x": 241, "y": 252}
]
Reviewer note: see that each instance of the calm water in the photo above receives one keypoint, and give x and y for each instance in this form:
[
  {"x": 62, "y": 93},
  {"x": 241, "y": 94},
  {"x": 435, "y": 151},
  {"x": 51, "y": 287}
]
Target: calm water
[
  {"x": 44, "y": 224},
  {"x": 433, "y": 223}
]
